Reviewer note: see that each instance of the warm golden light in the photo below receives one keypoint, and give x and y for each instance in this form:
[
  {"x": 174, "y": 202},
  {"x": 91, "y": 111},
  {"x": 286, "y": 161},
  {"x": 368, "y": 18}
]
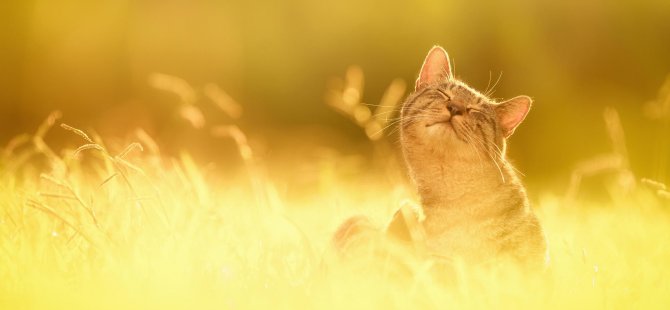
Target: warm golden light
[{"x": 201, "y": 154}]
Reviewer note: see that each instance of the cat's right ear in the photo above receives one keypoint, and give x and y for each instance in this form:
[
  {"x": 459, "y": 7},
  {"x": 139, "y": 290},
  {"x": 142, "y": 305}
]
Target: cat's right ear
[
  {"x": 511, "y": 113},
  {"x": 435, "y": 68}
]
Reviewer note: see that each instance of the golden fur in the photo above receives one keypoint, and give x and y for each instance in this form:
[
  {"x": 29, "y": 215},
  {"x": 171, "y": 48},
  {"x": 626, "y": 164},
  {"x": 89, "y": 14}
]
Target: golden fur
[{"x": 453, "y": 139}]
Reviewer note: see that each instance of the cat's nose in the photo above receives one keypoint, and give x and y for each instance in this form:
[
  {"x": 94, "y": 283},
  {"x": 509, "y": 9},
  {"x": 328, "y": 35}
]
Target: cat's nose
[{"x": 454, "y": 109}]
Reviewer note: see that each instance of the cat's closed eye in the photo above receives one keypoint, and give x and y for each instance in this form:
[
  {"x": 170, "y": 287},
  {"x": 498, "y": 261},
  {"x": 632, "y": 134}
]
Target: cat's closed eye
[
  {"x": 472, "y": 110},
  {"x": 444, "y": 94},
  {"x": 438, "y": 95}
]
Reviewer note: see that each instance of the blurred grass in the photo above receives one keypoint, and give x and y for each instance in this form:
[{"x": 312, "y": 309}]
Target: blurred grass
[
  {"x": 194, "y": 200},
  {"x": 126, "y": 228}
]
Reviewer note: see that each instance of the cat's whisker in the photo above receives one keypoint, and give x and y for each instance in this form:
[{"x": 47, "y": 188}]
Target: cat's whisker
[
  {"x": 388, "y": 125},
  {"x": 494, "y": 158},
  {"x": 495, "y": 162},
  {"x": 489, "y": 82},
  {"x": 377, "y": 105},
  {"x": 469, "y": 137},
  {"x": 499, "y": 154},
  {"x": 492, "y": 90},
  {"x": 396, "y": 121},
  {"x": 385, "y": 112},
  {"x": 481, "y": 145}
]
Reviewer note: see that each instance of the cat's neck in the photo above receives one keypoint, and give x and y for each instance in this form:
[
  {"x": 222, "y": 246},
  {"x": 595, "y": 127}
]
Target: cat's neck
[{"x": 445, "y": 183}]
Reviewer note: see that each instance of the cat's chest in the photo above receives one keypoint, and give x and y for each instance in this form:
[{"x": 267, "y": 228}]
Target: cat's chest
[
  {"x": 465, "y": 238},
  {"x": 471, "y": 229},
  {"x": 460, "y": 224}
]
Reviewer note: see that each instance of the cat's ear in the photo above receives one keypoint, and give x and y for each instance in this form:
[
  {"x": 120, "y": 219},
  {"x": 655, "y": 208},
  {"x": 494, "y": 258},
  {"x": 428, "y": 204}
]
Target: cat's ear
[
  {"x": 511, "y": 113},
  {"x": 435, "y": 68}
]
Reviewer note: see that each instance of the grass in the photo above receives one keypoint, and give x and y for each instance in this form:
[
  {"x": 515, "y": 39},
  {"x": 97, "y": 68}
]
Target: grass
[
  {"x": 139, "y": 230},
  {"x": 92, "y": 227}
]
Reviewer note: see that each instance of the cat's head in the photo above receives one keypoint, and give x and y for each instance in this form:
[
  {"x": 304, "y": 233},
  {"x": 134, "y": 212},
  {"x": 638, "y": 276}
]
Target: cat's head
[{"x": 445, "y": 116}]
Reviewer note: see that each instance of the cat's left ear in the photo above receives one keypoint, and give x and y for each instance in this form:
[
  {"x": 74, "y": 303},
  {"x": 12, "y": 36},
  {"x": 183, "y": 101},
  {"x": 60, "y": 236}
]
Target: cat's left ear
[
  {"x": 511, "y": 113},
  {"x": 435, "y": 68}
]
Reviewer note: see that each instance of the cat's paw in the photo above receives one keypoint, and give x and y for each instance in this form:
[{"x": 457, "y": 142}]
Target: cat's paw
[
  {"x": 355, "y": 232},
  {"x": 407, "y": 225}
]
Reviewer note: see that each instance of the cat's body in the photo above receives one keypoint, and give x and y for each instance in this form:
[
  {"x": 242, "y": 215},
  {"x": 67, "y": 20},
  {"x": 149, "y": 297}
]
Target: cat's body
[{"x": 453, "y": 141}]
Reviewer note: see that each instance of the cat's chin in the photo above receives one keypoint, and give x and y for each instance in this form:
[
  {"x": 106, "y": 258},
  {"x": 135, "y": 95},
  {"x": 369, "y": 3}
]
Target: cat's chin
[
  {"x": 441, "y": 133},
  {"x": 439, "y": 129}
]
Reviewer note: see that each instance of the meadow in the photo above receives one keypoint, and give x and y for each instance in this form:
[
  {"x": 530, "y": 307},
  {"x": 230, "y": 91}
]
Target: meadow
[
  {"x": 126, "y": 226},
  {"x": 206, "y": 151}
]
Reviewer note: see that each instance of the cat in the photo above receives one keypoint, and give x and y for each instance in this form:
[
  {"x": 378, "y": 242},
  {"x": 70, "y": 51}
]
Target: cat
[{"x": 453, "y": 140}]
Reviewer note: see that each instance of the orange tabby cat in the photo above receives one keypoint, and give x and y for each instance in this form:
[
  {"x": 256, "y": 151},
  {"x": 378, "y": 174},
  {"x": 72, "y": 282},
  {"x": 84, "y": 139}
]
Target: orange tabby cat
[{"x": 453, "y": 139}]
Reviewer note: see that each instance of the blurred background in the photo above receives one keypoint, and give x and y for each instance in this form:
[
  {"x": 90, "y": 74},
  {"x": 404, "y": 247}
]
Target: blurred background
[{"x": 93, "y": 61}]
